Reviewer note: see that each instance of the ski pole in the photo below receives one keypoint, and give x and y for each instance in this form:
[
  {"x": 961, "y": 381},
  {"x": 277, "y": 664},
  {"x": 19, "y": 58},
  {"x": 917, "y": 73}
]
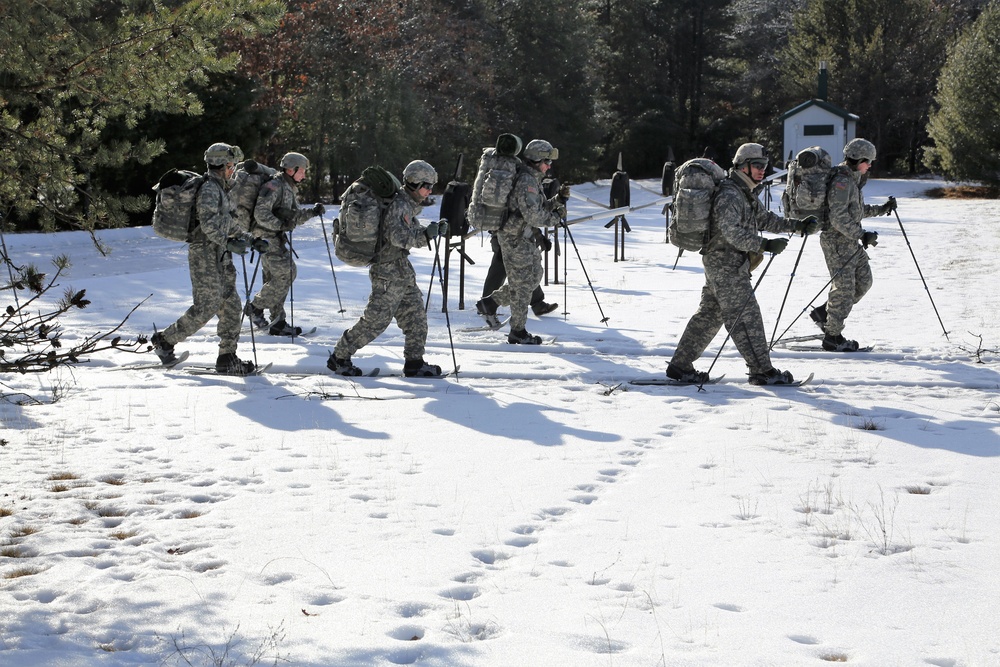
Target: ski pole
[
  {"x": 329, "y": 254},
  {"x": 291, "y": 285},
  {"x": 787, "y": 290},
  {"x": 435, "y": 266},
  {"x": 828, "y": 282},
  {"x": 447, "y": 318},
  {"x": 246, "y": 285},
  {"x": 739, "y": 317},
  {"x": 249, "y": 288},
  {"x": 604, "y": 318},
  {"x": 926, "y": 289}
]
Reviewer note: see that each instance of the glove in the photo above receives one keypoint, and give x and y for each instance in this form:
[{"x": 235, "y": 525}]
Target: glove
[
  {"x": 774, "y": 246},
  {"x": 431, "y": 231},
  {"x": 443, "y": 227},
  {"x": 806, "y": 226},
  {"x": 319, "y": 209},
  {"x": 559, "y": 209},
  {"x": 542, "y": 241},
  {"x": 869, "y": 238},
  {"x": 564, "y": 194},
  {"x": 889, "y": 206},
  {"x": 237, "y": 246},
  {"x": 260, "y": 246}
]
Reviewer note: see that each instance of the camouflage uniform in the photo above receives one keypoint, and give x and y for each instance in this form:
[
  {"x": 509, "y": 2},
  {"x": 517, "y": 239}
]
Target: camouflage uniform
[
  {"x": 737, "y": 219},
  {"x": 839, "y": 241},
  {"x": 213, "y": 276},
  {"x": 394, "y": 285},
  {"x": 277, "y": 211},
  {"x": 529, "y": 210}
]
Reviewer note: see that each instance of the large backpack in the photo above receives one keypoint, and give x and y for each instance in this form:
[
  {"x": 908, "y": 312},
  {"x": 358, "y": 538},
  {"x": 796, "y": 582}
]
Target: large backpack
[
  {"x": 250, "y": 175},
  {"x": 695, "y": 184},
  {"x": 173, "y": 214},
  {"x": 357, "y": 232},
  {"x": 491, "y": 191},
  {"x": 809, "y": 176}
]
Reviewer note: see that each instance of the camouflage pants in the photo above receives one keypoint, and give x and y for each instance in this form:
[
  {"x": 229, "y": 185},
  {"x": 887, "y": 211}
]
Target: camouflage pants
[
  {"x": 523, "y": 261},
  {"x": 394, "y": 295},
  {"x": 728, "y": 292},
  {"x": 213, "y": 284},
  {"x": 851, "y": 284},
  {"x": 278, "y": 266}
]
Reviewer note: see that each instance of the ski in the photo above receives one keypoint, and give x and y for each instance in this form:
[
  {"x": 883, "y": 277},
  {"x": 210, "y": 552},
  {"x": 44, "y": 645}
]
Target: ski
[
  {"x": 210, "y": 370},
  {"x": 798, "y": 339},
  {"x": 809, "y": 348},
  {"x": 305, "y": 332},
  {"x": 501, "y": 325},
  {"x": 140, "y": 367},
  {"x": 667, "y": 382}
]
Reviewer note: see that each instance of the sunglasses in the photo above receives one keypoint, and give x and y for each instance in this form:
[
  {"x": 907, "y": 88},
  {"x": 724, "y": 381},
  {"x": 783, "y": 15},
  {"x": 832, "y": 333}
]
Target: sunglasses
[
  {"x": 424, "y": 185},
  {"x": 758, "y": 164},
  {"x": 548, "y": 162}
]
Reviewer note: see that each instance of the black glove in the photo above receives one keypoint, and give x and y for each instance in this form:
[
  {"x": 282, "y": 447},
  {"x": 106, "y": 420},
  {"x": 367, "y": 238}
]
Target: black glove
[
  {"x": 237, "y": 246},
  {"x": 319, "y": 209},
  {"x": 774, "y": 246},
  {"x": 869, "y": 238},
  {"x": 260, "y": 246},
  {"x": 542, "y": 241},
  {"x": 431, "y": 231},
  {"x": 889, "y": 206},
  {"x": 563, "y": 194},
  {"x": 806, "y": 226}
]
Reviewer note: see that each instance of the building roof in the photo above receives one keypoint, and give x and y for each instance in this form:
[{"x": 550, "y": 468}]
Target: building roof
[{"x": 822, "y": 104}]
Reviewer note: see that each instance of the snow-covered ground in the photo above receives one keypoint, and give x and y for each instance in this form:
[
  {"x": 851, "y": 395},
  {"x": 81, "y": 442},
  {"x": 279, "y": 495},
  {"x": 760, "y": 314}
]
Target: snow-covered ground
[{"x": 535, "y": 509}]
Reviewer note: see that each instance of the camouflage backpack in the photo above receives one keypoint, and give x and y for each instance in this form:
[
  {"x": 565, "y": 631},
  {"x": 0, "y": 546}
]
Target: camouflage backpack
[
  {"x": 492, "y": 189},
  {"x": 173, "y": 214},
  {"x": 809, "y": 176},
  {"x": 250, "y": 175},
  {"x": 695, "y": 184},
  {"x": 357, "y": 232}
]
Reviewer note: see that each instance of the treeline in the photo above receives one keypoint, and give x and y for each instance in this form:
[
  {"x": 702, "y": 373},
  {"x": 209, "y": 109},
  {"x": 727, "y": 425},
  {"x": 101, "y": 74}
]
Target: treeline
[{"x": 100, "y": 97}]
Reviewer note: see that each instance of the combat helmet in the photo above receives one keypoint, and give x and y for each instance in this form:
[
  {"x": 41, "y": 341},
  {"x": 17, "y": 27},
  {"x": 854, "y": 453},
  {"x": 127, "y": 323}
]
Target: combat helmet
[
  {"x": 418, "y": 172},
  {"x": 747, "y": 153},
  {"x": 294, "y": 160},
  {"x": 539, "y": 149},
  {"x": 220, "y": 154},
  {"x": 859, "y": 149}
]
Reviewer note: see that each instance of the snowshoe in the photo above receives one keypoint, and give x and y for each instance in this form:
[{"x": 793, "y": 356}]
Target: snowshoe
[
  {"x": 839, "y": 344},
  {"x": 342, "y": 366},
  {"x": 256, "y": 316},
  {"x": 420, "y": 368},
  {"x": 692, "y": 376},
  {"x": 487, "y": 308},
  {"x": 522, "y": 337},
  {"x": 282, "y": 328},
  {"x": 542, "y": 308},
  {"x": 773, "y": 376},
  {"x": 818, "y": 315},
  {"x": 163, "y": 349},
  {"x": 230, "y": 364}
]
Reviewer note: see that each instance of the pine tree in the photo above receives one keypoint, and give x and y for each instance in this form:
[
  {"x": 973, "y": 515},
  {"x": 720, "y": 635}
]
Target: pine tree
[
  {"x": 76, "y": 71},
  {"x": 964, "y": 126}
]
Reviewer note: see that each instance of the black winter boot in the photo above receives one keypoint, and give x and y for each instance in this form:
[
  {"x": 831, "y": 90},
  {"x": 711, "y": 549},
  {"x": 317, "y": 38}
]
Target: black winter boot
[
  {"x": 839, "y": 344},
  {"x": 542, "y": 308},
  {"x": 420, "y": 368},
  {"x": 522, "y": 337},
  {"x": 692, "y": 376},
  {"x": 230, "y": 364},
  {"x": 163, "y": 349},
  {"x": 773, "y": 376},
  {"x": 282, "y": 328},
  {"x": 342, "y": 366},
  {"x": 487, "y": 308},
  {"x": 818, "y": 315},
  {"x": 256, "y": 315}
]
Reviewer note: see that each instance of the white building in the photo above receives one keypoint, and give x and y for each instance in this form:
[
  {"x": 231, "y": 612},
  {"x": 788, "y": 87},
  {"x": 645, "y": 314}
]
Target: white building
[{"x": 818, "y": 123}]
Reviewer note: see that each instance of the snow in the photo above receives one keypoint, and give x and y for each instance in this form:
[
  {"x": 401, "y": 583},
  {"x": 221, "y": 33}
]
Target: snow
[{"x": 535, "y": 509}]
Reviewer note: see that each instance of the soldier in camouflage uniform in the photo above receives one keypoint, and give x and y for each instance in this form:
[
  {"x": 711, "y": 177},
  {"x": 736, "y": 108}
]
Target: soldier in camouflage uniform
[
  {"x": 277, "y": 213},
  {"x": 394, "y": 284},
  {"x": 728, "y": 298},
  {"x": 844, "y": 242},
  {"x": 529, "y": 211},
  {"x": 213, "y": 276}
]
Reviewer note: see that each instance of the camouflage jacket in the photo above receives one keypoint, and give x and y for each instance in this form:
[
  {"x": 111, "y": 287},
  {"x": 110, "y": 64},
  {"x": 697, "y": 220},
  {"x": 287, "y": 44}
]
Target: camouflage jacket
[
  {"x": 401, "y": 229},
  {"x": 847, "y": 204},
  {"x": 528, "y": 205},
  {"x": 216, "y": 217},
  {"x": 277, "y": 208},
  {"x": 738, "y": 217}
]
